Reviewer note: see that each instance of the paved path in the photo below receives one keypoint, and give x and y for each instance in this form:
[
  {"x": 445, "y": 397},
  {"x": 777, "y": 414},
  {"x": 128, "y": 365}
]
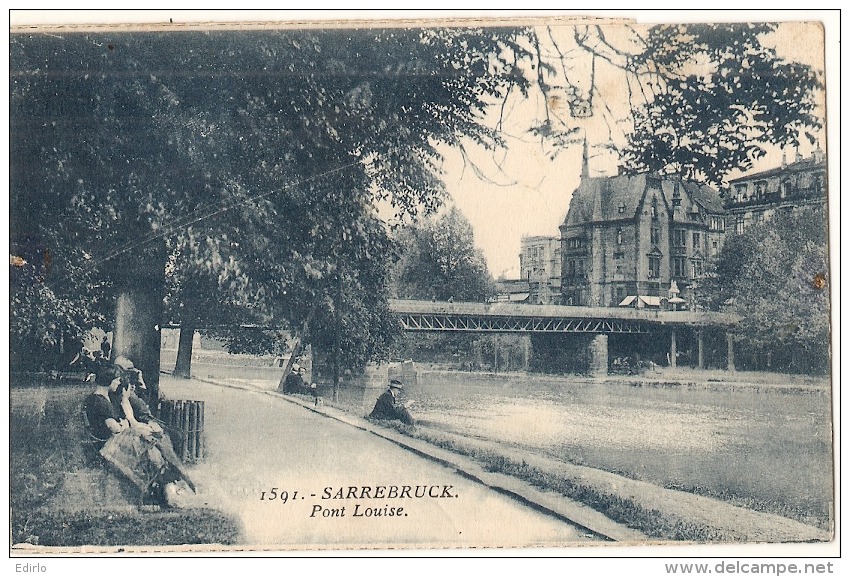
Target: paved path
[{"x": 258, "y": 442}]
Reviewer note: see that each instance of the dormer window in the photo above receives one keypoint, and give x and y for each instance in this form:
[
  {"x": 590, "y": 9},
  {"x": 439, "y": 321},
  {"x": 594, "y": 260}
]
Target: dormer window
[{"x": 621, "y": 208}]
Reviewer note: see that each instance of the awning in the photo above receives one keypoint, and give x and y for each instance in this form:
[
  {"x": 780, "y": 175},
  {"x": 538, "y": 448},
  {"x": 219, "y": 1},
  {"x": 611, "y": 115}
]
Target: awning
[{"x": 641, "y": 301}]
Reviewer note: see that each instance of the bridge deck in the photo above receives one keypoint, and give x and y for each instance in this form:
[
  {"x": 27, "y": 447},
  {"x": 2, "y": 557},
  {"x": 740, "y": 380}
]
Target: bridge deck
[{"x": 512, "y": 317}]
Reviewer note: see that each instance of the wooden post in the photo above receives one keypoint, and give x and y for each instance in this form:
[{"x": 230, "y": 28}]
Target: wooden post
[
  {"x": 201, "y": 427},
  {"x": 190, "y": 434},
  {"x": 673, "y": 348},
  {"x": 700, "y": 349},
  {"x": 184, "y": 427}
]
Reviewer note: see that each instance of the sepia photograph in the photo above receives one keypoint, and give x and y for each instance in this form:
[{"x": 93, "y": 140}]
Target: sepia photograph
[{"x": 465, "y": 284}]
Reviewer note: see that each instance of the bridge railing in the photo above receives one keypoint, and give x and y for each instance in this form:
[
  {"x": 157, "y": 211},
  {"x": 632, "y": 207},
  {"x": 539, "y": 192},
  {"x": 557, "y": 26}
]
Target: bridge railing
[{"x": 514, "y": 310}]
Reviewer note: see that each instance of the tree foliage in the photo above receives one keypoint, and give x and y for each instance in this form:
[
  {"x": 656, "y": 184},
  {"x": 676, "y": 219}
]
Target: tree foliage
[
  {"x": 257, "y": 158},
  {"x": 776, "y": 277},
  {"x": 439, "y": 261},
  {"x": 697, "y": 100}
]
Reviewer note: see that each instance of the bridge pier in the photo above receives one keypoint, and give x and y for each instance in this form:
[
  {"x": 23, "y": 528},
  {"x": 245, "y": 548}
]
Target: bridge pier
[
  {"x": 700, "y": 349},
  {"x": 673, "y": 348},
  {"x": 599, "y": 355},
  {"x": 730, "y": 352}
]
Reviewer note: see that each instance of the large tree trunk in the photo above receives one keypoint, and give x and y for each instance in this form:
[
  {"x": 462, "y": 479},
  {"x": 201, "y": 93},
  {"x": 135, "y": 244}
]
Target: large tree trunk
[
  {"x": 183, "y": 366},
  {"x": 141, "y": 282}
]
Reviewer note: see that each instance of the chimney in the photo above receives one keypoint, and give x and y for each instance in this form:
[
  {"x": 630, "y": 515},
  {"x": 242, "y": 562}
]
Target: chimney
[
  {"x": 818, "y": 154},
  {"x": 784, "y": 159},
  {"x": 797, "y": 156}
]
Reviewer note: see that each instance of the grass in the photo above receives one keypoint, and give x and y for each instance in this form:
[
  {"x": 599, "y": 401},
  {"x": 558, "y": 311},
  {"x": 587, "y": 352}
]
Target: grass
[
  {"x": 62, "y": 495},
  {"x": 653, "y": 523}
]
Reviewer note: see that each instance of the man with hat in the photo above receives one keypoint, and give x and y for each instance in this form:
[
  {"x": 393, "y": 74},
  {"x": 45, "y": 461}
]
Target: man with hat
[{"x": 389, "y": 407}]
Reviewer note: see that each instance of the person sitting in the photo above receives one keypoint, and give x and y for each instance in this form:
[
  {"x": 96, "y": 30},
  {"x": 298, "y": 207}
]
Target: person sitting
[
  {"x": 140, "y": 410},
  {"x": 139, "y": 451},
  {"x": 295, "y": 383},
  {"x": 389, "y": 407},
  {"x": 103, "y": 420}
]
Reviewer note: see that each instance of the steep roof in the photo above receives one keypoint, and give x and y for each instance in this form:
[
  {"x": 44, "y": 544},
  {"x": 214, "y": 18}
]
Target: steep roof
[
  {"x": 704, "y": 195},
  {"x": 600, "y": 198}
]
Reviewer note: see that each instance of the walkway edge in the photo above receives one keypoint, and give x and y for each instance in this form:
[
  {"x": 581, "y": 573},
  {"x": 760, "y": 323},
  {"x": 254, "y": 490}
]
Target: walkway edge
[{"x": 547, "y": 502}]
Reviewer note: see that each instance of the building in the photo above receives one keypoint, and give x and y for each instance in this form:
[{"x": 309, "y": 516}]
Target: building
[
  {"x": 540, "y": 267},
  {"x": 630, "y": 236},
  {"x": 510, "y": 291},
  {"x": 756, "y": 197}
]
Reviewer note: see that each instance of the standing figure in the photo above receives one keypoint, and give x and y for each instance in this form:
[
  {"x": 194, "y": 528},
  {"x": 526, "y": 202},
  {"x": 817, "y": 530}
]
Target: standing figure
[{"x": 105, "y": 347}]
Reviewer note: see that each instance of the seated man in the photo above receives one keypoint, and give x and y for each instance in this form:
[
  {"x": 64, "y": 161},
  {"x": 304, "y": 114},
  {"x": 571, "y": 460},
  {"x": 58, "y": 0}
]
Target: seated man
[
  {"x": 389, "y": 407},
  {"x": 295, "y": 383}
]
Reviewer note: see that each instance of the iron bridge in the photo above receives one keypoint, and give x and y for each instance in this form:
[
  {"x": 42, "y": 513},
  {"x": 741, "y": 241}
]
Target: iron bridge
[{"x": 523, "y": 318}]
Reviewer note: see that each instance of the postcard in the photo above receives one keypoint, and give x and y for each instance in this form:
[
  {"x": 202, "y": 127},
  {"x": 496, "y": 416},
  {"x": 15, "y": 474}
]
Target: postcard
[{"x": 421, "y": 285}]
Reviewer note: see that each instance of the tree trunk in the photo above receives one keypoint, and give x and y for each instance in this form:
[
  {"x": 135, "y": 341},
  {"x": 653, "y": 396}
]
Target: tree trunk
[
  {"x": 141, "y": 281},
  {"x": 183, "y": 366},
  {"x": 296, "y": 350}
]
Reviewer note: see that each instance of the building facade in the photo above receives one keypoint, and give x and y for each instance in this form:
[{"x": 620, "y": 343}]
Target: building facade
[
  {"x": 540, "y": 267},
  {"x": 630, "y": 236},
  {"x": 755, "y": 198}
]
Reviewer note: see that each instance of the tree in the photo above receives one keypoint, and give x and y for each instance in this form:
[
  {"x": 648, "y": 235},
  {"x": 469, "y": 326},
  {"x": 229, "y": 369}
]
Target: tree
[
  {"x": 139, "y": 150},
  {"x": 439, "y": 260},
  {"x": 775, "y": 276}
]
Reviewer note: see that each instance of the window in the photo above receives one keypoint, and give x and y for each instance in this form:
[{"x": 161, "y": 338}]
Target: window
[
  {"x": 741, "y": 192},
  {"x": 621, "y": 208},
  {"x": 653, "y": 210},
  {"x": 761, "y": 187},
  {"x": 680, "y": 238},
  {"x": 571, "y": 268},
  {"x": 654, "y": 267},
  {"x": 696, "y": 269},
  {"x": 739, "y": 224},
  {"x": 618, "y": 255},
  {"x": 787, "y": 188},
  {"x": 679, "y": 266},
  {"x": 621, "y": 294},
  {"x": 697, "y": 238},
  {"x": 758, "y": 217},
  {"x": 714, "y": 249},
  {"x": 619, "y": 236},
  {"x": 716, "y": 223},
  {"x": 655, "y": 235}
]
